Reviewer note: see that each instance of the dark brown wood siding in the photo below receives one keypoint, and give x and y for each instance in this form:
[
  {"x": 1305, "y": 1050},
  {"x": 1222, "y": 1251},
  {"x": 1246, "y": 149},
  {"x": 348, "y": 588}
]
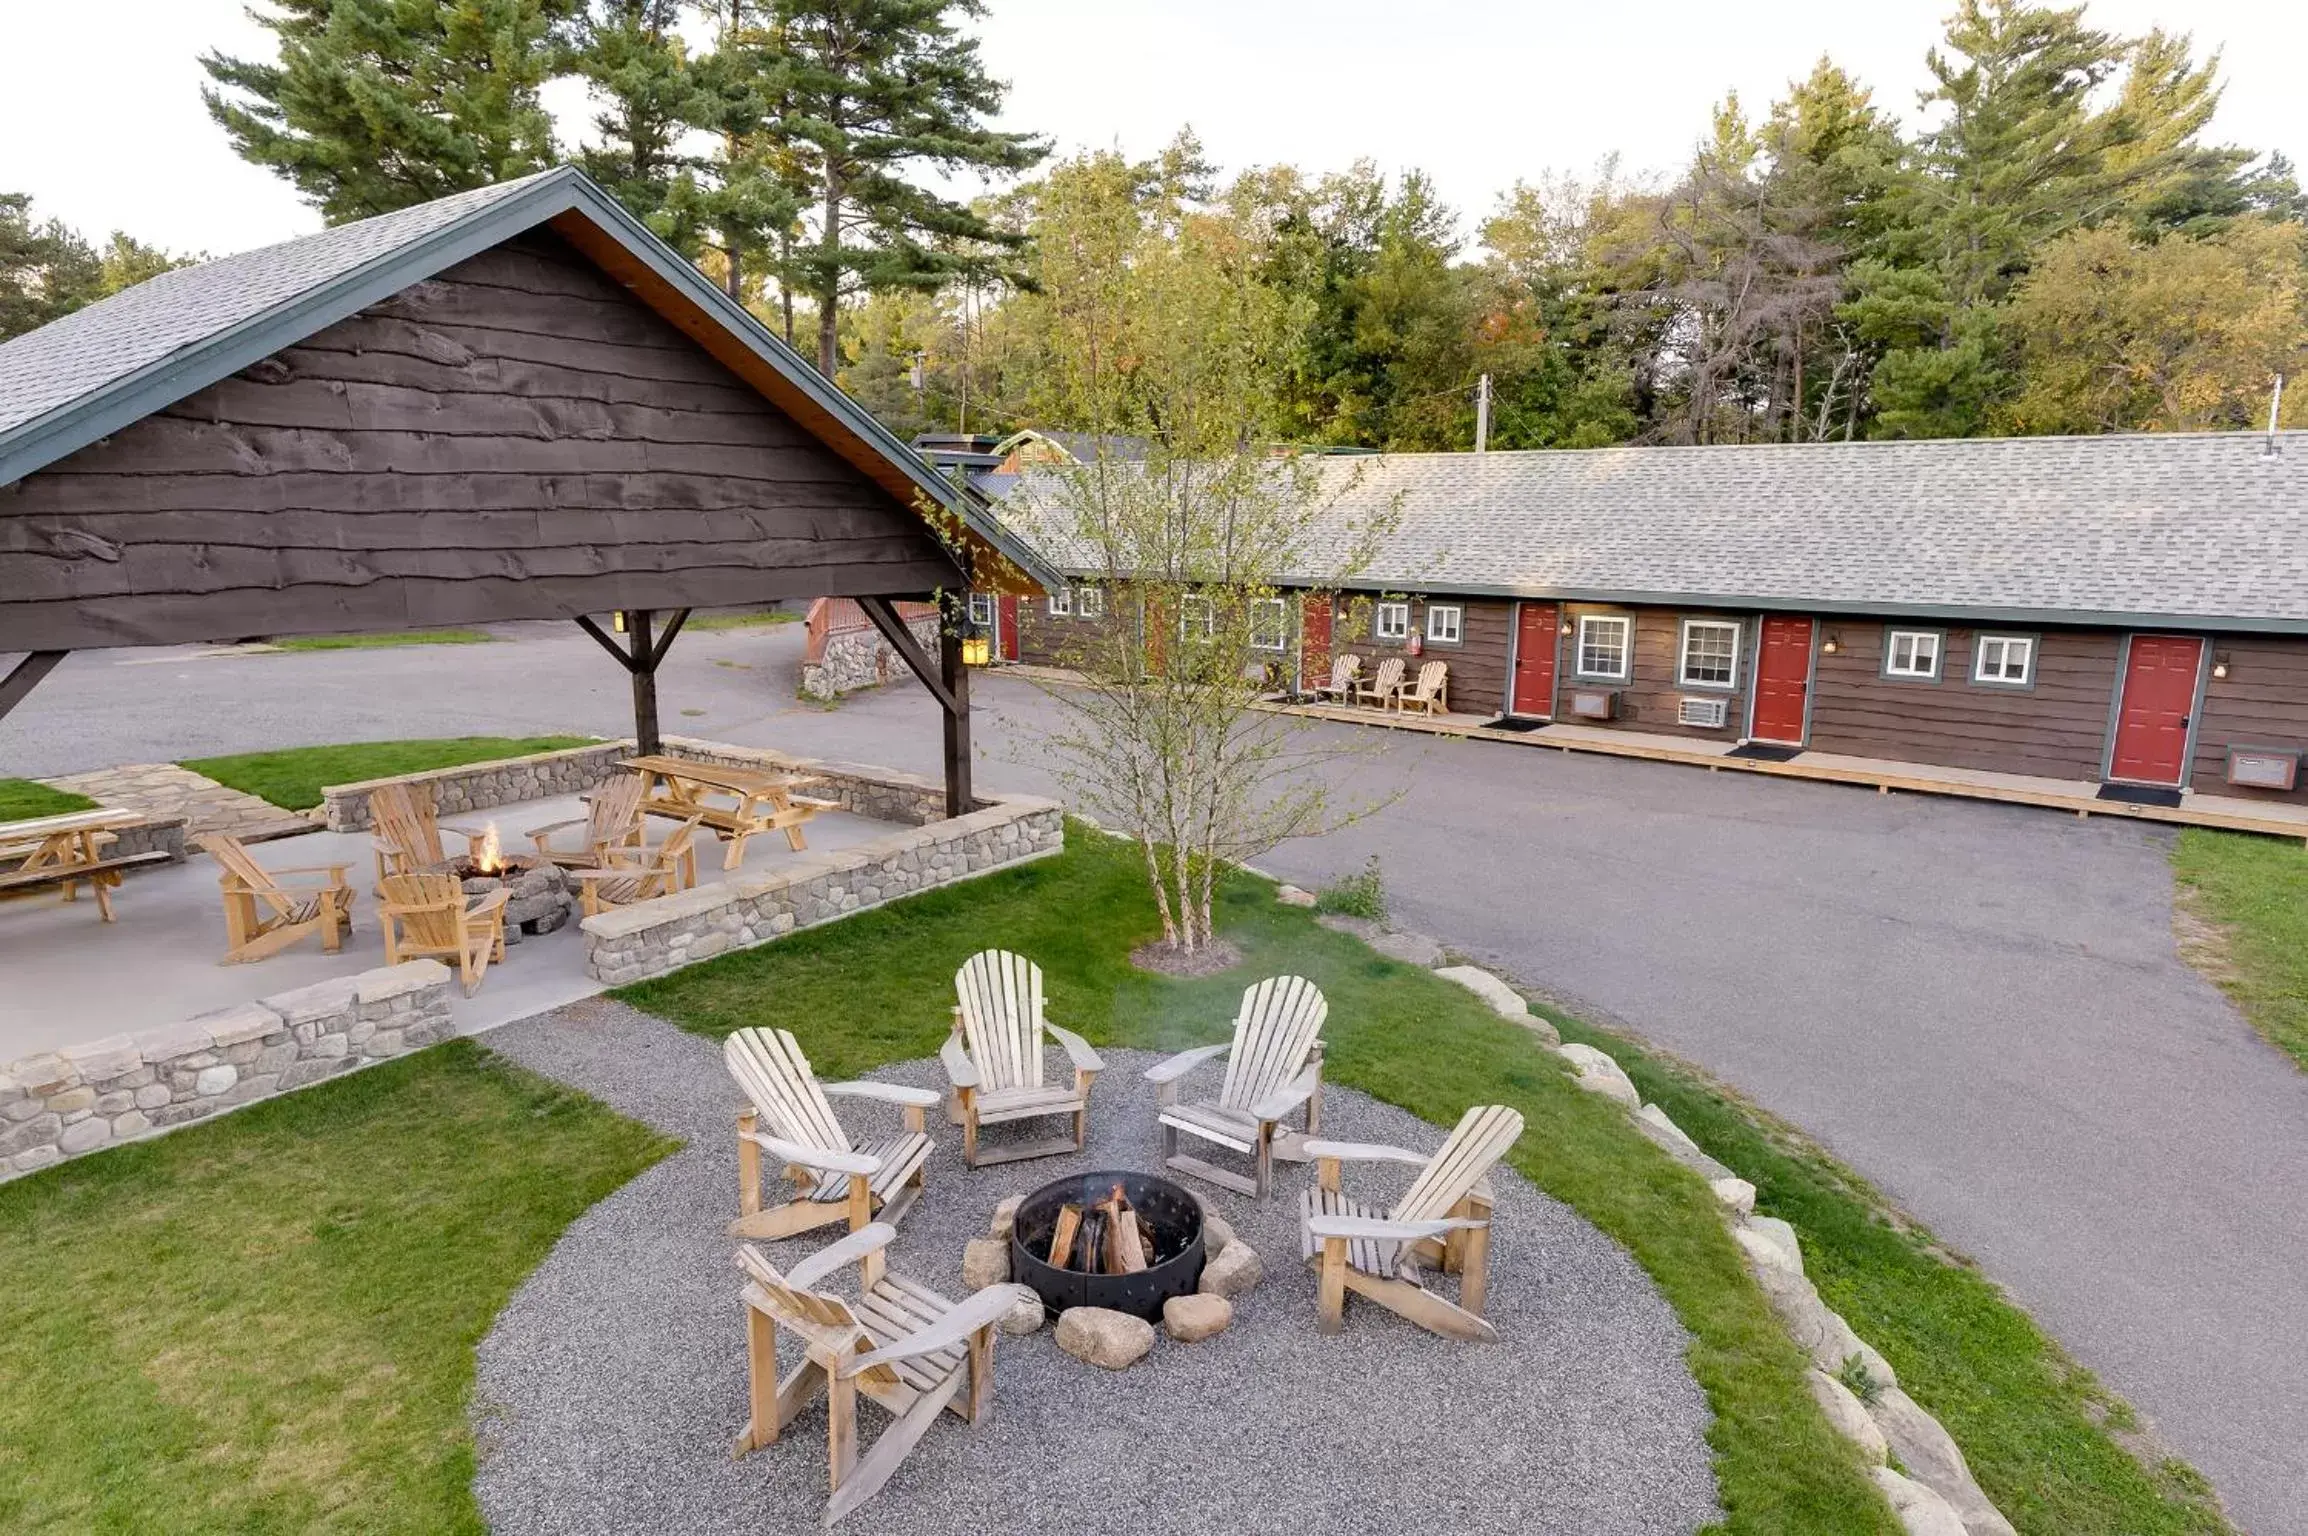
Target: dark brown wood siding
[
  {"x": 518, "y": 438},
  {"x": 1478, "y": 663},
  {"x": 2262, "y": 702},
  {"x": 2057, "y": 728},
  {"x": 1649, "y": 699},
  {"x": 1058, "y": 640}
]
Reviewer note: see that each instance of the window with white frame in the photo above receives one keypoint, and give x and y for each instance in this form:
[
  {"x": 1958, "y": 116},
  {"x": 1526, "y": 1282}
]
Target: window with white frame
[
  {"x": 1090, "y": 602},
  {"x": 1194, "y": 617},
  {"x": 1061, "y": 602},
  {"x": 1445, "y": 623},
  {"x": 981, "y": 608},
  {"x": 1268, "y": 623},
  {"x": 2008, "y": 661},
  {"x": 1710, "y": 654},
  {"x": 1912, "y": 654},
  {"x": 1391, "y": 621},
  {"x": 1606, "y": 646}
]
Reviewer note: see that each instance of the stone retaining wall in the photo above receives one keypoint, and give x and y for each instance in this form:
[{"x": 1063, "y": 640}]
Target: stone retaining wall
[
  {"x": 87, "y": 1097},
  {"x": 156, "y": 834},
  {"x": 481, "y": 786},
  {"x": 651, "y": 938},
  {"x": 861, "y": 658},
  {"x": 880, "y": 794}
]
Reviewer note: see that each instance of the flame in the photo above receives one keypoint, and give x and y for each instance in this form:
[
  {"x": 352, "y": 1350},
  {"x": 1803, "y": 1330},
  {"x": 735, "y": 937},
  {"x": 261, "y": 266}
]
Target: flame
[{"x": 489, "y": 854}]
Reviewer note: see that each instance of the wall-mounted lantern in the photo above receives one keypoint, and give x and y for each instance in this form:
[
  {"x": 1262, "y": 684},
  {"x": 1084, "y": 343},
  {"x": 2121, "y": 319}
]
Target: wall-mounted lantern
[
  {"x": 2220, "y": 665},
  {"x": 1833, "y": 644}
]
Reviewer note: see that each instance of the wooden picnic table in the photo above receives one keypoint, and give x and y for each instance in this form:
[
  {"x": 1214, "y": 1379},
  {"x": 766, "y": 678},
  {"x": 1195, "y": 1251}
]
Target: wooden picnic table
[
  {"x": 759, "y": 799},
  {"x": 68, "y": 850}
]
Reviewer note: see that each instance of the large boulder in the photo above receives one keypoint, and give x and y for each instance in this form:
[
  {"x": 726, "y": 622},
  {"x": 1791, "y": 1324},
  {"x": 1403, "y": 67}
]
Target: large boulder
[
  {"x": 1933, "y": 1459},
  {"x": 1233, "y": 1272},
  {"x": 1006, "y": 1217},
  {"x": 985, "y": 1261},
  {"x": 1778, "y": 1235},
  {"x": 1847, "y": 1414},
  {"x": 1217, "y": 1236},
  {"x": 1103, "y": 1337},
  {"x": 1024, "y": 1318},
  {"x": 1191, "y": 1319},
  {"x": 1921, "y": 1512},
  {"x": 1598, "y": 1073},
  {"x": 1816, "y": 1328},
  {"x": 1737, "y": 1195}
]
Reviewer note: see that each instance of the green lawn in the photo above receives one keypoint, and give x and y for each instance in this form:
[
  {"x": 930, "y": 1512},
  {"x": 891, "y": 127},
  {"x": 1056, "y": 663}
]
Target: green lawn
[
  {"x": 2255, "y": 891},
  {"x": 2030, "y": 1421},
  {"x": 294, "y": 777},
  {"x": 870, "y": 989},
  {"x": 384, "y": 640},
  {"x": 740, "y": 620},
  {"x": 266, "y": 1324},
  {"x": 23, "y": 799}
]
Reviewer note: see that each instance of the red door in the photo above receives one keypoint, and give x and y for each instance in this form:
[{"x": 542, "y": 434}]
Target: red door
[
  {"x": 1782, "y": 680},
  {"x": 2152, "y": 719},
  {"x": 1006, "y": 610},
  {"x": 1536, "y": 625},
  {"x": 1314, "y": 639}
]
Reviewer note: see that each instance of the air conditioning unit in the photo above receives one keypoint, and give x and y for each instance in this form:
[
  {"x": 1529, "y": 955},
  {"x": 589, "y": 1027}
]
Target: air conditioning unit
[
  {"x": 2263, "y": 767},
  {"x": 1595, "y": 704},
  {"x": 1708, "y": 713}
]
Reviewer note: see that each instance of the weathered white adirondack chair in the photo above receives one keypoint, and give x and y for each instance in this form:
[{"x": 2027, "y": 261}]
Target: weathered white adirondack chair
[
  {"x": 1380, "y": 690},
  {"x": 832, "y": 1179},
  {"x": 1430, "y": 694},
  {"x": 1442, "y": 1223},
  {"x": 1344, "y": 670},
  {"x": 900, "y": 1344},
  {"x": 1274, "y": 1065},
  {"x": 994, "y": 1058}
]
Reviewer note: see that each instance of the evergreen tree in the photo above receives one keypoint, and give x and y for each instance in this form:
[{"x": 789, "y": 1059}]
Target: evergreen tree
[
  {"x": 648, "y": 99},
  {"x": 47, "y": 270},
  {"x": 374, "y": 105}
]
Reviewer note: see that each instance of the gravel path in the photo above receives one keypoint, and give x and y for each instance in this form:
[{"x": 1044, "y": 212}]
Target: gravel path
[{"x": 611, "y": 1386}]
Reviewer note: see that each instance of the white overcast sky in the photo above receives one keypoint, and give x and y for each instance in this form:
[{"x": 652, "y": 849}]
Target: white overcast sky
[{"x": 101, "y": 120}]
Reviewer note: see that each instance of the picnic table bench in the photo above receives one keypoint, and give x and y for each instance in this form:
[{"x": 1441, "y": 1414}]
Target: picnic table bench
[
  {"x": 759, "y": 799},
  {"x": 68, "y": 850}
]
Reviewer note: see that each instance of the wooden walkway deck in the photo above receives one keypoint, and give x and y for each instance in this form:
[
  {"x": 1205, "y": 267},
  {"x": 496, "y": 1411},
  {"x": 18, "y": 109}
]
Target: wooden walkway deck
[{"x": 2080, "y": 796}]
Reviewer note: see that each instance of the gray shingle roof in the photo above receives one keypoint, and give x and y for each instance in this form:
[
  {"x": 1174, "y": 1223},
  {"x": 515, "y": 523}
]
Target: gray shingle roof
[{"x": 2137, "y": 528}]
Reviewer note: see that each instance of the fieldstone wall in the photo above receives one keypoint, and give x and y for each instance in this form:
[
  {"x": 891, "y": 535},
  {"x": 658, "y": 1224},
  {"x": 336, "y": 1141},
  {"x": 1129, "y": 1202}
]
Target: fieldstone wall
[
  {"x": 880, "y": 794},
  {"x": 481, "y": 786},
  {"x": 861, "y": 658},
  {"x": 157, "y": 834},
  {"x": 651, "y": 938},
  {"x": 123, "y": 1088}
]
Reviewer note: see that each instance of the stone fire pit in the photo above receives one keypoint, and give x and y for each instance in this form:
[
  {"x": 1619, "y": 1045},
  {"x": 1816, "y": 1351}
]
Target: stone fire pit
[{"x": 541, "y": 901}]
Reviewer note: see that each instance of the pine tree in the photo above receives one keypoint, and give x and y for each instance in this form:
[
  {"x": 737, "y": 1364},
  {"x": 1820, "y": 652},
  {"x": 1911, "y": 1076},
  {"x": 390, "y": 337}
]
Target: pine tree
[
  {"x": 47, "y": 270},
  {"x": 648, "y": 97},
  {"x": 374, "y": 105}
]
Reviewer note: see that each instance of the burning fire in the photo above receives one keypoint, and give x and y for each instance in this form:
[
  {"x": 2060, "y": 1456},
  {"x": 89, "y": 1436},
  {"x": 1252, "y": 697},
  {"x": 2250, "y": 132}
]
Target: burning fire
[{"x": 489, "y": 854}]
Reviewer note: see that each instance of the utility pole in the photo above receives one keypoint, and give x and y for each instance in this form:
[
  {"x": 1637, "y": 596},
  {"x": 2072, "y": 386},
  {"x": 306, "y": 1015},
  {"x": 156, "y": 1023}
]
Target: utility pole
[{"x": 1483, "y": 414}]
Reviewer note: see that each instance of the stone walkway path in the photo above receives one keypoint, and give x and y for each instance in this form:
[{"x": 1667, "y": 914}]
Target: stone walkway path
[
  {"x": 164, "y": 790},
  {"x": 610, "y": 1387}
]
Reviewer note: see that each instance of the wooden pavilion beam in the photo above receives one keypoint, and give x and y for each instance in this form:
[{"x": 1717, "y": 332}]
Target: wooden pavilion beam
[
  {"x": 640, "y": 659},
  {"x": 948, "y": 681},
  {"x": 25, "y": 676}
]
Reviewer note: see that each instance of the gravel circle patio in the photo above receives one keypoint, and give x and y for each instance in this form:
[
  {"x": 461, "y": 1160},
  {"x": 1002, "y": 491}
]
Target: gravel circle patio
[{"x": 611, "y": 1386}]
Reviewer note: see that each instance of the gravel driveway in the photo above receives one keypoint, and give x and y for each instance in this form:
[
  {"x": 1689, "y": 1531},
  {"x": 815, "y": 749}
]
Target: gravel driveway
[{"x": 611, "y": 1386}]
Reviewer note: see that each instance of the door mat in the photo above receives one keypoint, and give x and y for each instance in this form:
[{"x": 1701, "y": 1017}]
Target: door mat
[
  {"x": 1765, "y": 752},
  {"x": 2141, "y": 794},
  {"x": 1515, "y": 723}
]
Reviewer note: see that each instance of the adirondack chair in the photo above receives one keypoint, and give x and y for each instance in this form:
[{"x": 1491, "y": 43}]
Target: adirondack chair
[
  {"x": 994, "y": 1058},
  {"x": 264, "y": 915},
  {"x": 832, "y": 1177},
  {"x": 1382, "y": 684},
  {"x": 1441, "y": 1223},
  {"x": 430, "y": 915},
  {"x": 1345, "y": 671},
  {"x": 612, "y": 823},
  {"x": 1431, "y": 693},
  {"x": 901, "y": 1345},
  {"x": 407, "y": 836},
  {"x": 637, "y": 874},
  {"x": 1273, "y": 1066}
]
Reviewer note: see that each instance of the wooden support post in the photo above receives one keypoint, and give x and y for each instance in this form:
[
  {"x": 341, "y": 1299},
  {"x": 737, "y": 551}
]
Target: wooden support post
[
  {"x": 640, "y": 660},
  {"x": 957, "y": 680},
  {"x": 25, "y": 676}
]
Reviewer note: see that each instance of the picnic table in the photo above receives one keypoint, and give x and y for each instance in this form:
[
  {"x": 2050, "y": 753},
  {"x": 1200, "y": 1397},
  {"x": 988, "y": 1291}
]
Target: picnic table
[
  {"x": 68, "y": 850},
  {"x": 739, "y": 802}
]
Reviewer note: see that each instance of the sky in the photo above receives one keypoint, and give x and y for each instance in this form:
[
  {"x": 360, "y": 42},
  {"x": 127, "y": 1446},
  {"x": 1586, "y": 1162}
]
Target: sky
[{"x": 101, "y": 119}]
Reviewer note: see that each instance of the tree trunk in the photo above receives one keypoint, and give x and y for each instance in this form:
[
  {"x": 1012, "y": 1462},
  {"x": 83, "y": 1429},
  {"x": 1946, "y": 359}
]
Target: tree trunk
[{"x": 829, "y": 290}]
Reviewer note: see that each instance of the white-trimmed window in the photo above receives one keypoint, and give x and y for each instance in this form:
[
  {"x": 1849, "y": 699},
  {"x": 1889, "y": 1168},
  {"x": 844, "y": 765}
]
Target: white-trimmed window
[
  {"x": 982, "y": 609},
  {"x": 1061, "y": 602},
  {"x": 1606, "y": 646},
  {"x": 1710, "y": 654},
  {"x": 2007, "y": 661},
  {"x": 1090, "y": 602},
  {"x": 1391, "y": 621},
  {"x": 1912, "y": 654},
  {"x": 1269, "y": 623},
  {"x": 1194, "y": 617},
  {"x": 1445, "y": 623}
]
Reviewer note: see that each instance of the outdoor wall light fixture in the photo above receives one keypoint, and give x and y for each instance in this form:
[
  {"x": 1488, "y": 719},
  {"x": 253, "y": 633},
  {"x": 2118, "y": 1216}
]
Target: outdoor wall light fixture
[
  {"x": 2220, "y": 665},
  {"x": 1564, "y": 627},
  {"x": 1832, "y": 644}
]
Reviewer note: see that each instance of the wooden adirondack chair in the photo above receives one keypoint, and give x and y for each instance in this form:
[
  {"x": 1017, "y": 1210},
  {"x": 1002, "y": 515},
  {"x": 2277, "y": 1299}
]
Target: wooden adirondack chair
[
  {"x": 1273, "y": 1066},
  {"x": 263, "y": 915},
  {"x": 1431, "y": 693},
  {"x": 1345, "y": 671},
  {"x": 430, "y": 915},
  {"x": 832, "y": 1177},
  {"x": 637, "y": 874},
  {"x": 612, "y": 823},
  {"x": 1382, "y": 684},
  {"x": 1441, "y": 1223},
  {"x": 899, "y": 1344},
  {"x": 407, "y": 834},
  {"x": 994, "y": 1058}
]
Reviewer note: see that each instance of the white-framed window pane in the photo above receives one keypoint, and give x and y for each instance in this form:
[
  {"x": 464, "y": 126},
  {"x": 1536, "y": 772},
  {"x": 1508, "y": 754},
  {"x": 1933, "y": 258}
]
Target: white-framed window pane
[
  {"x": 1194, "y": 618},
  {"x": 2006, "y": 659},
  {"x": 1445, "y": 622},
  {"x": 981, "y": 608},
  {"x": 1061, "y": 602},
  {"x": 1710, "y": 653},
  {"x": 1392, "y": 621},
  {"x": 1913, "y": 653},
  {"x": 1267, "y": 622},
  {"x": 1604, "y": 644},
  {"x": 1090, "y": 602}
]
